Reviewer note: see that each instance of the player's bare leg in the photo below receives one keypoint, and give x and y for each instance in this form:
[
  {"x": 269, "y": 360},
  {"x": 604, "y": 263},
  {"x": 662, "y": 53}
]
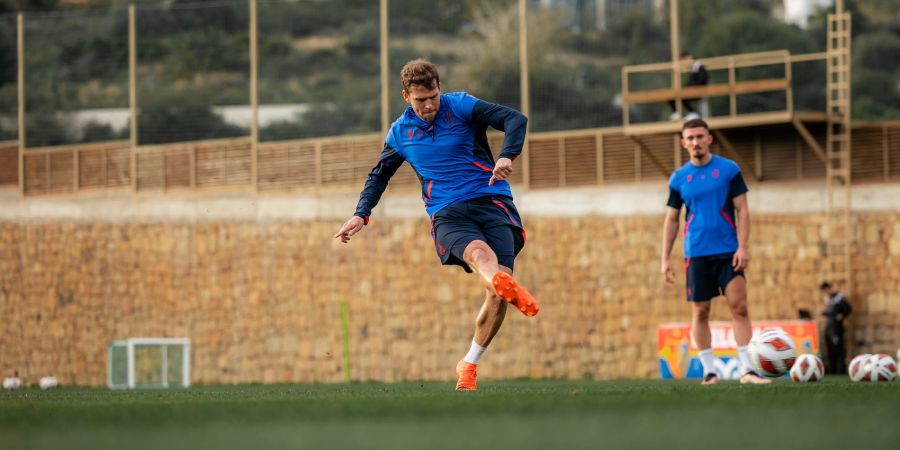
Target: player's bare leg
[
  {"x": 703, "y": 339},
  {"x": 491, "y": 316},
  {"x": 500, "y": 288},
  {"x": 487, "y": 324},
  {"x": 479, "y": 256},
  {"x": 736, "y": 294},
  {"x": 700, "y": 324}
]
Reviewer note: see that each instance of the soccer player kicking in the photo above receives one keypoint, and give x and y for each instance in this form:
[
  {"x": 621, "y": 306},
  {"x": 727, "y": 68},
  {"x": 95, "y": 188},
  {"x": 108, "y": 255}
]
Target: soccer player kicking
[
  {"x": 716, "y": 235},
  {"x": 474, "y": 223}
]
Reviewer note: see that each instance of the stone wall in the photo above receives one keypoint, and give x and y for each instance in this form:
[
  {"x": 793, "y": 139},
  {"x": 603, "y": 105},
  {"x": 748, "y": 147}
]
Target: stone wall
[{"x": 260, "y": 299}]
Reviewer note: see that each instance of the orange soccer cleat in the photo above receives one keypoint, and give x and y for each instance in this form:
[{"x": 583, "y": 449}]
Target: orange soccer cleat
[
  {"x": 507, "y": 288},
  {"x": 466, "y": 373}
]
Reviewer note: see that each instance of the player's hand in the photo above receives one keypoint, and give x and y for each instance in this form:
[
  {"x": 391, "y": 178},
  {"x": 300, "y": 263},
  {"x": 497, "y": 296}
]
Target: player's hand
[
  {"x": 501, "y": 170},
  {"x": 667, "y": 273},
  {"x": 741, "y": 259},
  {"x": 350, "y": 227}
]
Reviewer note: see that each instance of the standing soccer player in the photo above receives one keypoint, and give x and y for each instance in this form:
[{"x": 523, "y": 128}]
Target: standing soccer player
[
  {"x": 474, "y": 221},
  {"x": 716, "y": 235}
]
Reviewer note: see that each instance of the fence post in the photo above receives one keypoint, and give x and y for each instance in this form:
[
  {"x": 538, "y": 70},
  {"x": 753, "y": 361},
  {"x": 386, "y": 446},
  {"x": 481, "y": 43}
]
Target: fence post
[
  {"x": 524, "y": 88},
  {"x": 132, "y": 93},
  {"x": 383, "y": 54},
  {"x": 676, "y": 53},
  {"x": 254, "y": 100},
  {"x": 789, "y": 92},
  {"x": 600, "y": 162},
  {"x": 20, "y": 51}
]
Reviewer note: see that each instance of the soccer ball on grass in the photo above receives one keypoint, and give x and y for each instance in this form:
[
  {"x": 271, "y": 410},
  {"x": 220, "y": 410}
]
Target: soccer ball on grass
[
  {"x": 874, "y": 368},
  {"x": 772, "y": 352},
  {"x": 859, "y": 367},
  {"x": 808, "y": 368}
]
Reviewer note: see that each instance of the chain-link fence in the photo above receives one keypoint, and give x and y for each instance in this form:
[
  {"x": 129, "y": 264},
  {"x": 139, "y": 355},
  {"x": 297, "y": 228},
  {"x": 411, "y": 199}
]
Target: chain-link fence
[
  {"x": 318, "y": 67},
  {"x": 76, "y": 77},
  {"x": 8, "y": 79},
  {"x": 319, "y": 63}
]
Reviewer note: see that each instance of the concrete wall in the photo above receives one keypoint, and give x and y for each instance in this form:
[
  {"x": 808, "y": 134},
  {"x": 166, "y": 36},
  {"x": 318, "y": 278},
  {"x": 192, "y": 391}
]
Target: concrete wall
[{"x": 257, "y": 283}]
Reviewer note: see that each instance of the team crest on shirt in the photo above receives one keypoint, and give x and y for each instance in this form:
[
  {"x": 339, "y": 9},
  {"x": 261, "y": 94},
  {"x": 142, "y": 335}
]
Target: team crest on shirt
[
  {"x": 448, "y": 118},
  {"x": 690, "y": 178},
  {"x": 715, "y": 174},
  {"x": 413, "y": 132}
]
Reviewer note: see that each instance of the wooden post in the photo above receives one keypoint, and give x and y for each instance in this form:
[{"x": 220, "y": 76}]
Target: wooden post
[
  {"x": 20, "y": 52},
  {"x": 676, "y": 51},
  {"x": 75, "y": 169},
  {"x": 254, "y": 100},
  {"x": 757, "y": 149},
  {"x": 789, "y": 91},
  {"x": 385, "y": 60},
  {"x": 637, "y": 159},
  {"x": 626, "y": 109},
  {"x": 885, "y": 147},
  {"x": 599, "y": 147},
  {"x": 132, "y": 93},
  {"x": 676, "y": 145},
  {"x": 561, "y": 158},
  {"x": 732, "y": 97},
  {"x": 524, "y": 89},
  {"x": 318, "y": 163}
]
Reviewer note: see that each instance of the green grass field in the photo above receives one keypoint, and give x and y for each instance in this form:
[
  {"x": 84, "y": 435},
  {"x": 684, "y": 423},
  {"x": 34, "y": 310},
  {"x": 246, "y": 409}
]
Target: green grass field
[{"x": 509, "y": 414}]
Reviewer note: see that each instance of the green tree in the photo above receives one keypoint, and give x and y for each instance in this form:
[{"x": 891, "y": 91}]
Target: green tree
[{"x": 177, "y": 118}]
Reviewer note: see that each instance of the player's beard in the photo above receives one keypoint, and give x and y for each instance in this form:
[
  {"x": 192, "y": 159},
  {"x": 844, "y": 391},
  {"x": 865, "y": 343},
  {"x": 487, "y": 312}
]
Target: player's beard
[{"x": 698, "y": 154}]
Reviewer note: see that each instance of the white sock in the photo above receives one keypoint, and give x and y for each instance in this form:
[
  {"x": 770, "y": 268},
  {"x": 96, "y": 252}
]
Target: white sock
[
  {"x": 475, "y": 352},
  {"x": 706, "y": 358},
  {"x": 745, "y": 359}
]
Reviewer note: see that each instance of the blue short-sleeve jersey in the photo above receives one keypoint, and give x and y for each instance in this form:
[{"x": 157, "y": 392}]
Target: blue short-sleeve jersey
[
  {"x": 443, "y": 153},
  {"x": 707, "y": 192},
  {"x": 450, "y": 155}
]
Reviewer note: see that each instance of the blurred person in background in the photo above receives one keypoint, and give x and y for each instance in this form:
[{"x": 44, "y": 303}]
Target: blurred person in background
[
  {"x": 716, "y": 242},
  {"x": 474, "y": 223},
  {"x": 697, "y": 76},
  {"x": 837, "y": 308}
]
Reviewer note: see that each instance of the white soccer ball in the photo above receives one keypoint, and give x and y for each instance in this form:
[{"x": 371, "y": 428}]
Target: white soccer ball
[
  {"x": 859, "y": 368},
  {"x": 808, "y": 368},
  {"x": 12, "y": 383},
  {"x": 882, "y": 368},
  {"x": 772, "y": 352},
  {"x": 48, "y": 383}
]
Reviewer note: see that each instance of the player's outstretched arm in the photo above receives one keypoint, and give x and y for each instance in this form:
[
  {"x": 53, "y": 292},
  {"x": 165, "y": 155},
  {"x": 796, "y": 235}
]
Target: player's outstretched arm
[
  {"x": 670, "y": 231},
  {"x": 376, "y": 183},
  {"x": 352, "y": 226}
]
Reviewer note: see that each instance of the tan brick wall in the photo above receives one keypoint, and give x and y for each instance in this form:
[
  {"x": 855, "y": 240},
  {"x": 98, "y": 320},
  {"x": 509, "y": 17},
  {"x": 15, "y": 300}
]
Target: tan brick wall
[{"x": 261, "y": 300}]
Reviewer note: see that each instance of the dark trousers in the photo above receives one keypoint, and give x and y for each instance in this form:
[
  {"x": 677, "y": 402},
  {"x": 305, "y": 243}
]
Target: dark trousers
[
  {"x": 687, "y": 104},
  {"x": 837, "y": 352}
]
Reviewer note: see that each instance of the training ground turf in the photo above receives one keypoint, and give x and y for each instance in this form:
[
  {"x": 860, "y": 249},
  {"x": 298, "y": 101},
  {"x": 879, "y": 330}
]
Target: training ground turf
[{"x": 834, "y": 414}]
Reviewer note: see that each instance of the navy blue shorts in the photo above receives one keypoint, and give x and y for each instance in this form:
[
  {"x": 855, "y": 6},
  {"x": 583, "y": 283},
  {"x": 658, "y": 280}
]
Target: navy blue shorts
[
  {"x": 492, "y": 219},
  {"x": 708, "y": 276}
]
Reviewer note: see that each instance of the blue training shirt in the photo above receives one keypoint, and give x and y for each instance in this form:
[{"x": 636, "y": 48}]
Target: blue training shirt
[
  {"x": 707, "y": 192},
  {"x": 450, "y": 156}
]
